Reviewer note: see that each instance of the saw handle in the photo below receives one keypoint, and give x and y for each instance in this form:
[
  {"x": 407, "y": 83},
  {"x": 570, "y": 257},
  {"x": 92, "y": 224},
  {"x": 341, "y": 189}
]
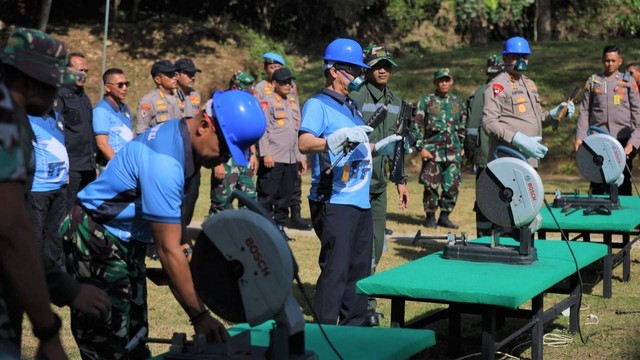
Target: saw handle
[
  {"x": 563, "y": 112},
  {"x": 509, "y": 151},
  {"x": 594, "y": 129}
]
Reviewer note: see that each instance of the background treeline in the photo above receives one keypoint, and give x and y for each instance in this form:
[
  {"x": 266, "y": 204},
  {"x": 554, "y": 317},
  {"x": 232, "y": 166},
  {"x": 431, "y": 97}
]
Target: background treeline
[{"x": 403, "y": 24}]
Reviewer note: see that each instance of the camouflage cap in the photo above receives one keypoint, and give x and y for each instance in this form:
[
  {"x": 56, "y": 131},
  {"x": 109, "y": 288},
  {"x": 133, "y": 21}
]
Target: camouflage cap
[
  {"x": 40, "y": 56},
  {"x": 373, "y": 54},
  {"x": 494, "y": 64},
  {"x": 242, "y": 80},
  {"x": 442, "y": 73}
]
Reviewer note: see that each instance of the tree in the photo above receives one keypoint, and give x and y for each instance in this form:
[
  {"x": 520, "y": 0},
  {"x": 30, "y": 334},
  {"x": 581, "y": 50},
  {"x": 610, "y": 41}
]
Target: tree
[
  {"x": 543, "y": 26},
  {"x": 44, "y": 14}
]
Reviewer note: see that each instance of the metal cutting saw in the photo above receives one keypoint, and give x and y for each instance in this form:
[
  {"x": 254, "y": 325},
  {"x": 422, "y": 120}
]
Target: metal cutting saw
[
  {"x": 600, "y": 159},
  {"x": 509, "y": 192}
]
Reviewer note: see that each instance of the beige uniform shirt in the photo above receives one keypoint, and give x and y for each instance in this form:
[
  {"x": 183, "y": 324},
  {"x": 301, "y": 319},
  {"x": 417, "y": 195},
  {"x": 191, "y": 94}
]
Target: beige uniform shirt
[
  {"x": 512, "y": 105},
  {"x": 156, "y": 107},
  {"x": 280, "y": 141},
  {"x": 611, "y": 103},
  {"x": 189, "y": 103}
]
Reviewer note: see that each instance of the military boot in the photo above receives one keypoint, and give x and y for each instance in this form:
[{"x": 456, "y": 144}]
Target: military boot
[
  {"x": 445, "y": 222},
  {"x": 296, "y": 221},
  {"x": 431, "y": 220}
]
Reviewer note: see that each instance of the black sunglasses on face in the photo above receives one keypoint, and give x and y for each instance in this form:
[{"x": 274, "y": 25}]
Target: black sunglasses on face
[
  {"x": 352, "y": 70},
  {"x": 121, "y": 84},
  {"x": 284, "y": 82}
]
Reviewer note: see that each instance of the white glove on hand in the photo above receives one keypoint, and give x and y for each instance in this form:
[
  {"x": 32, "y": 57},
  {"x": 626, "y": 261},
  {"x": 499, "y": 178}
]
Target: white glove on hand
[
  {"x": 571, "y": 108},
  {"x": 387, "y": 145},
  {"x": 530, "y": 146},
  {"x": 357, "y": 134}
]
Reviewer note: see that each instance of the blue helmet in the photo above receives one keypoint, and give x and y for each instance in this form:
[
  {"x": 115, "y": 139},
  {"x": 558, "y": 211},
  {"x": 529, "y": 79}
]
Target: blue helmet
[
  {"x": 271, "y": 58},
  {"x": 241, "y": 120},
  {"x": 345, "y": 51},
  {"x": 516, "y": 45}
]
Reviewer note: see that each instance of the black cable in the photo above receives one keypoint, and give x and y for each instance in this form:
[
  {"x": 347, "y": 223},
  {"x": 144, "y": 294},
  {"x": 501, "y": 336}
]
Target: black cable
[
  {"x": 631, "y": 179},
  {"x": 315, "y": 317},
  {"x": 575, "y": 262}
]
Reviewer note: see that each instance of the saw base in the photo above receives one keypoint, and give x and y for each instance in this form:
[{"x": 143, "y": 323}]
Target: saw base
[{"x": 487, "y": 253}]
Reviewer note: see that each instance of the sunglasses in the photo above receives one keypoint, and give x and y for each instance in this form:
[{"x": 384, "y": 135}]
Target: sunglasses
[
  {"x": 121, "y": 84},
  {"x": 352, "y": 70},
  {"x": 189, "y": 74},
  {"x": 284, "y": 82}
]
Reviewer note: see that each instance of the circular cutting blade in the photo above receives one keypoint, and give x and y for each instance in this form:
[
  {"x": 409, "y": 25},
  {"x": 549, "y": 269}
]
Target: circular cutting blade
[
  {"x": 600, "y": 158},
  {"x": 509, "y": 192}
]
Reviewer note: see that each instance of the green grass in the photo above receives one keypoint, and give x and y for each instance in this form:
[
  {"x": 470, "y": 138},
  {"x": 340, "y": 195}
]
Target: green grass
[{"x": 614, "y": 337}]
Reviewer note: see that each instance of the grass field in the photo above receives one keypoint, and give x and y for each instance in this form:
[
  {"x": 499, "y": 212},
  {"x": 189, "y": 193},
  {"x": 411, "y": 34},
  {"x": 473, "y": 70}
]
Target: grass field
[{"x": 612, "y": 337}]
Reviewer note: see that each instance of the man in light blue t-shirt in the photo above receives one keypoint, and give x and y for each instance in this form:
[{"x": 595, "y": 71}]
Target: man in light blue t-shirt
[
  {"x": 112, "y": 119},
  {"x": 48, "y": 190},
  {"x": 137, "y": 201},
  {"x": 333, "y": 132}
]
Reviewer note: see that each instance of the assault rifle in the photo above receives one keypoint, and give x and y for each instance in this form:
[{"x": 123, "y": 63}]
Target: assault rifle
[
  {"x": 403, "y": 128},
  {"x": 376, "y": 118}
]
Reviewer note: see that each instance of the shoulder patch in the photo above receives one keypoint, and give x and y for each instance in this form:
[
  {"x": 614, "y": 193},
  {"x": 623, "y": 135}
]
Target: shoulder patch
[
  {"x": 145, "y": 107},
  {"x": 497, "y": 89},
  {"x": 264, "y": 105}
]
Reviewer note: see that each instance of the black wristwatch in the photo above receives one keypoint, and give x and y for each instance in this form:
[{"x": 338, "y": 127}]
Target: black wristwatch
[{"x": 44, "y": 334}]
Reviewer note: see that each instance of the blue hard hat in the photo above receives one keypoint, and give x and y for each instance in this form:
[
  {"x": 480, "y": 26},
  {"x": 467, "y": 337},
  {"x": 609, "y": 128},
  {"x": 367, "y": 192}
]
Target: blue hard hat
[
  {"x": 516, "y": 45},
  {"x": 345, "y": 51},
  {"x": 271, "y": 58},
  {"x": 241, "y": 120}
]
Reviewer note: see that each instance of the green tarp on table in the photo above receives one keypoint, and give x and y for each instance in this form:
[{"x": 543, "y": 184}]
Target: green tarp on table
[
  {"x": 624, "y": 219},
  {"x": 436, "y": 278}
]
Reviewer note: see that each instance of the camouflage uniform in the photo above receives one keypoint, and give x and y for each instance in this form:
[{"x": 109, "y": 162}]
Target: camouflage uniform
[
  {"x": 236, "y": 177},
  {"x": 85, "y": 241},
  {"x": 440, "y": 127}
]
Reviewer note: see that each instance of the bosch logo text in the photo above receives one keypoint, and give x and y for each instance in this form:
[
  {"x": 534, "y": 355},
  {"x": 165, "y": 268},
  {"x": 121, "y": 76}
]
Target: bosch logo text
[{"x": 258, "y": 257}]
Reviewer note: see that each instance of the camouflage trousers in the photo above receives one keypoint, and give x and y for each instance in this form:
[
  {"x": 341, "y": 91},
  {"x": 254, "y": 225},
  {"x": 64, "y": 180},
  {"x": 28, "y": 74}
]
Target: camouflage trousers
[
  {"x": 435, "y": 175},
  {"x": 97, "y": 257},
  {"x": 236, "y": 177}
]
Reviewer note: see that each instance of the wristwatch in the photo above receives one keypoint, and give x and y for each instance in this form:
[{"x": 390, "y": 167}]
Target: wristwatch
[{"x": 44, "y": 334}]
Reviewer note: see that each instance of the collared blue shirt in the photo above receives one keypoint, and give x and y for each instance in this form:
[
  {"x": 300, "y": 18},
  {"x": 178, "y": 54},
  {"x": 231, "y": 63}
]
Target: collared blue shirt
[
  {"x": 348, "y": 184},
  {"x": 52, "y": 161},
  {"x": 115, "y": 121},
  {"x": 144, "y": 182}
]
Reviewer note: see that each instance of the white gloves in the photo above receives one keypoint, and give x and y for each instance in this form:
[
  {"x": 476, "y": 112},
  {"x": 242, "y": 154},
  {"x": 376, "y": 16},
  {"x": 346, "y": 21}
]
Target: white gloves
[
  {"x": 387, "y": 145},
  {"x": 556, "y": 110},
  {"x": 357, "y": 135},
  {"x": 530, "y": 146}
]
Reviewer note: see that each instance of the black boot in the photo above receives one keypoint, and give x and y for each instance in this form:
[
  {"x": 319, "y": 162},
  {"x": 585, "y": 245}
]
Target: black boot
[
  {"x": 445, "y": 222},
  {"x": 431, "y": 220},
  {"x": 296, "y": 221}
]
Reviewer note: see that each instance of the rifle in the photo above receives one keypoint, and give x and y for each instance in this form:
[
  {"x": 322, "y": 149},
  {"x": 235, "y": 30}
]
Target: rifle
[
  {"x": 376, "y": 118},
  {"x": 403, "y": 128},
  {"x": 574, "y": 94}
]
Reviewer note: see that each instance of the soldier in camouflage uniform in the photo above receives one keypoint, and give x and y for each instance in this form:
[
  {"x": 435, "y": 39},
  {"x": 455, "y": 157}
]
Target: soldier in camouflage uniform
[
  {"x": 476, "y": 141},
  {"x": 374, "y": 94},
  {"x": 440, "y": 127},
  {"x": 229, "y": 176},
  {"x": 34, "y": 65}
]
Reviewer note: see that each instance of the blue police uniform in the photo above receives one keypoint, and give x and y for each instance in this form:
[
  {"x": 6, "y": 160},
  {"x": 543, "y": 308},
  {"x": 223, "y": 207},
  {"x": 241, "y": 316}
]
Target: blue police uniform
[
  {"x": 340, "y": 211},
  {"x": 48, "y": 196},
  {"x": 115, "y": 121}
]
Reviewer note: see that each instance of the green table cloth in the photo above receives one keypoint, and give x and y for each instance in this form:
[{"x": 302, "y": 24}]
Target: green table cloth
[{"x": 622, "y": 220}]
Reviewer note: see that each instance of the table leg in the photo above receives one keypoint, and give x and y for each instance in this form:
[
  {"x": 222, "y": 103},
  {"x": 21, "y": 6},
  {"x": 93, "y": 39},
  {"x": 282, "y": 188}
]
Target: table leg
[
  {"x": 489, "y": 333},
  {"x": 397, "y": 312},
  {"x": 537, "y": 308},
  {"x": 542, "y": 234},
  {"x": 626, "y": 259},
  {"x": 607, "y": 275},
  {"x": 574, "y": 309},
  {"x": 455, "y": 320}
]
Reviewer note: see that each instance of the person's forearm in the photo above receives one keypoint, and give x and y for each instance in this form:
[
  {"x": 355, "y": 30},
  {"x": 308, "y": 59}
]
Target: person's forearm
[
  {"x": 309, "y": 144},
  {"x": 106, "y": 150},
  {"x": 21, "y": 261}
]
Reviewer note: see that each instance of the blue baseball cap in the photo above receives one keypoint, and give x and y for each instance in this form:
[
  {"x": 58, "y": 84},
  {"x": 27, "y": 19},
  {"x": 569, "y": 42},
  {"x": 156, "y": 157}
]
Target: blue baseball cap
[{"x": 271, "y": 58}]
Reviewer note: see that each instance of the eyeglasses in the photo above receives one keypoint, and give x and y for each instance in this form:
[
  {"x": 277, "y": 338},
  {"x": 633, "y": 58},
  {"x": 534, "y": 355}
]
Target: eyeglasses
[
  {"x": 121, "y": 84},
  {"x": 189, "y": 74},
  {"x": 170, "y": 75}
]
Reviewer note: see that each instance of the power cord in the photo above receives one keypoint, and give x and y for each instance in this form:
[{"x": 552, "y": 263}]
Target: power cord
[
  {"x": 556, "y": 340},
  {"x": 315, "y": 317},
  {"x": 575, "y": 262},
  {"x": 504, "y": 356}
]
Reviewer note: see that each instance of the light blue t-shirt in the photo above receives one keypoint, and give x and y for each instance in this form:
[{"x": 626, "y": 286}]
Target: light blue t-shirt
[
  {"x": 52, "y": 160},
  {"x": 144, "y": 182},
  {"x": 349, "y": 182},
  {"x": 114, "y": 121}
]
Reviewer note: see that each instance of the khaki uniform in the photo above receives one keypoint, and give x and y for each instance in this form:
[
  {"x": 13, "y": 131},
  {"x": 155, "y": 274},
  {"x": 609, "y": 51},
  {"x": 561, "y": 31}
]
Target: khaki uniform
[
  {"x": 156, "y": 107},
  {"x": 612, "y": 103},
  {"x": 512, "y": 105},
  {"x": 189, "y": 103},
  {"x": 280, "y": 141},
  {"x": 263, "y": 88}
]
